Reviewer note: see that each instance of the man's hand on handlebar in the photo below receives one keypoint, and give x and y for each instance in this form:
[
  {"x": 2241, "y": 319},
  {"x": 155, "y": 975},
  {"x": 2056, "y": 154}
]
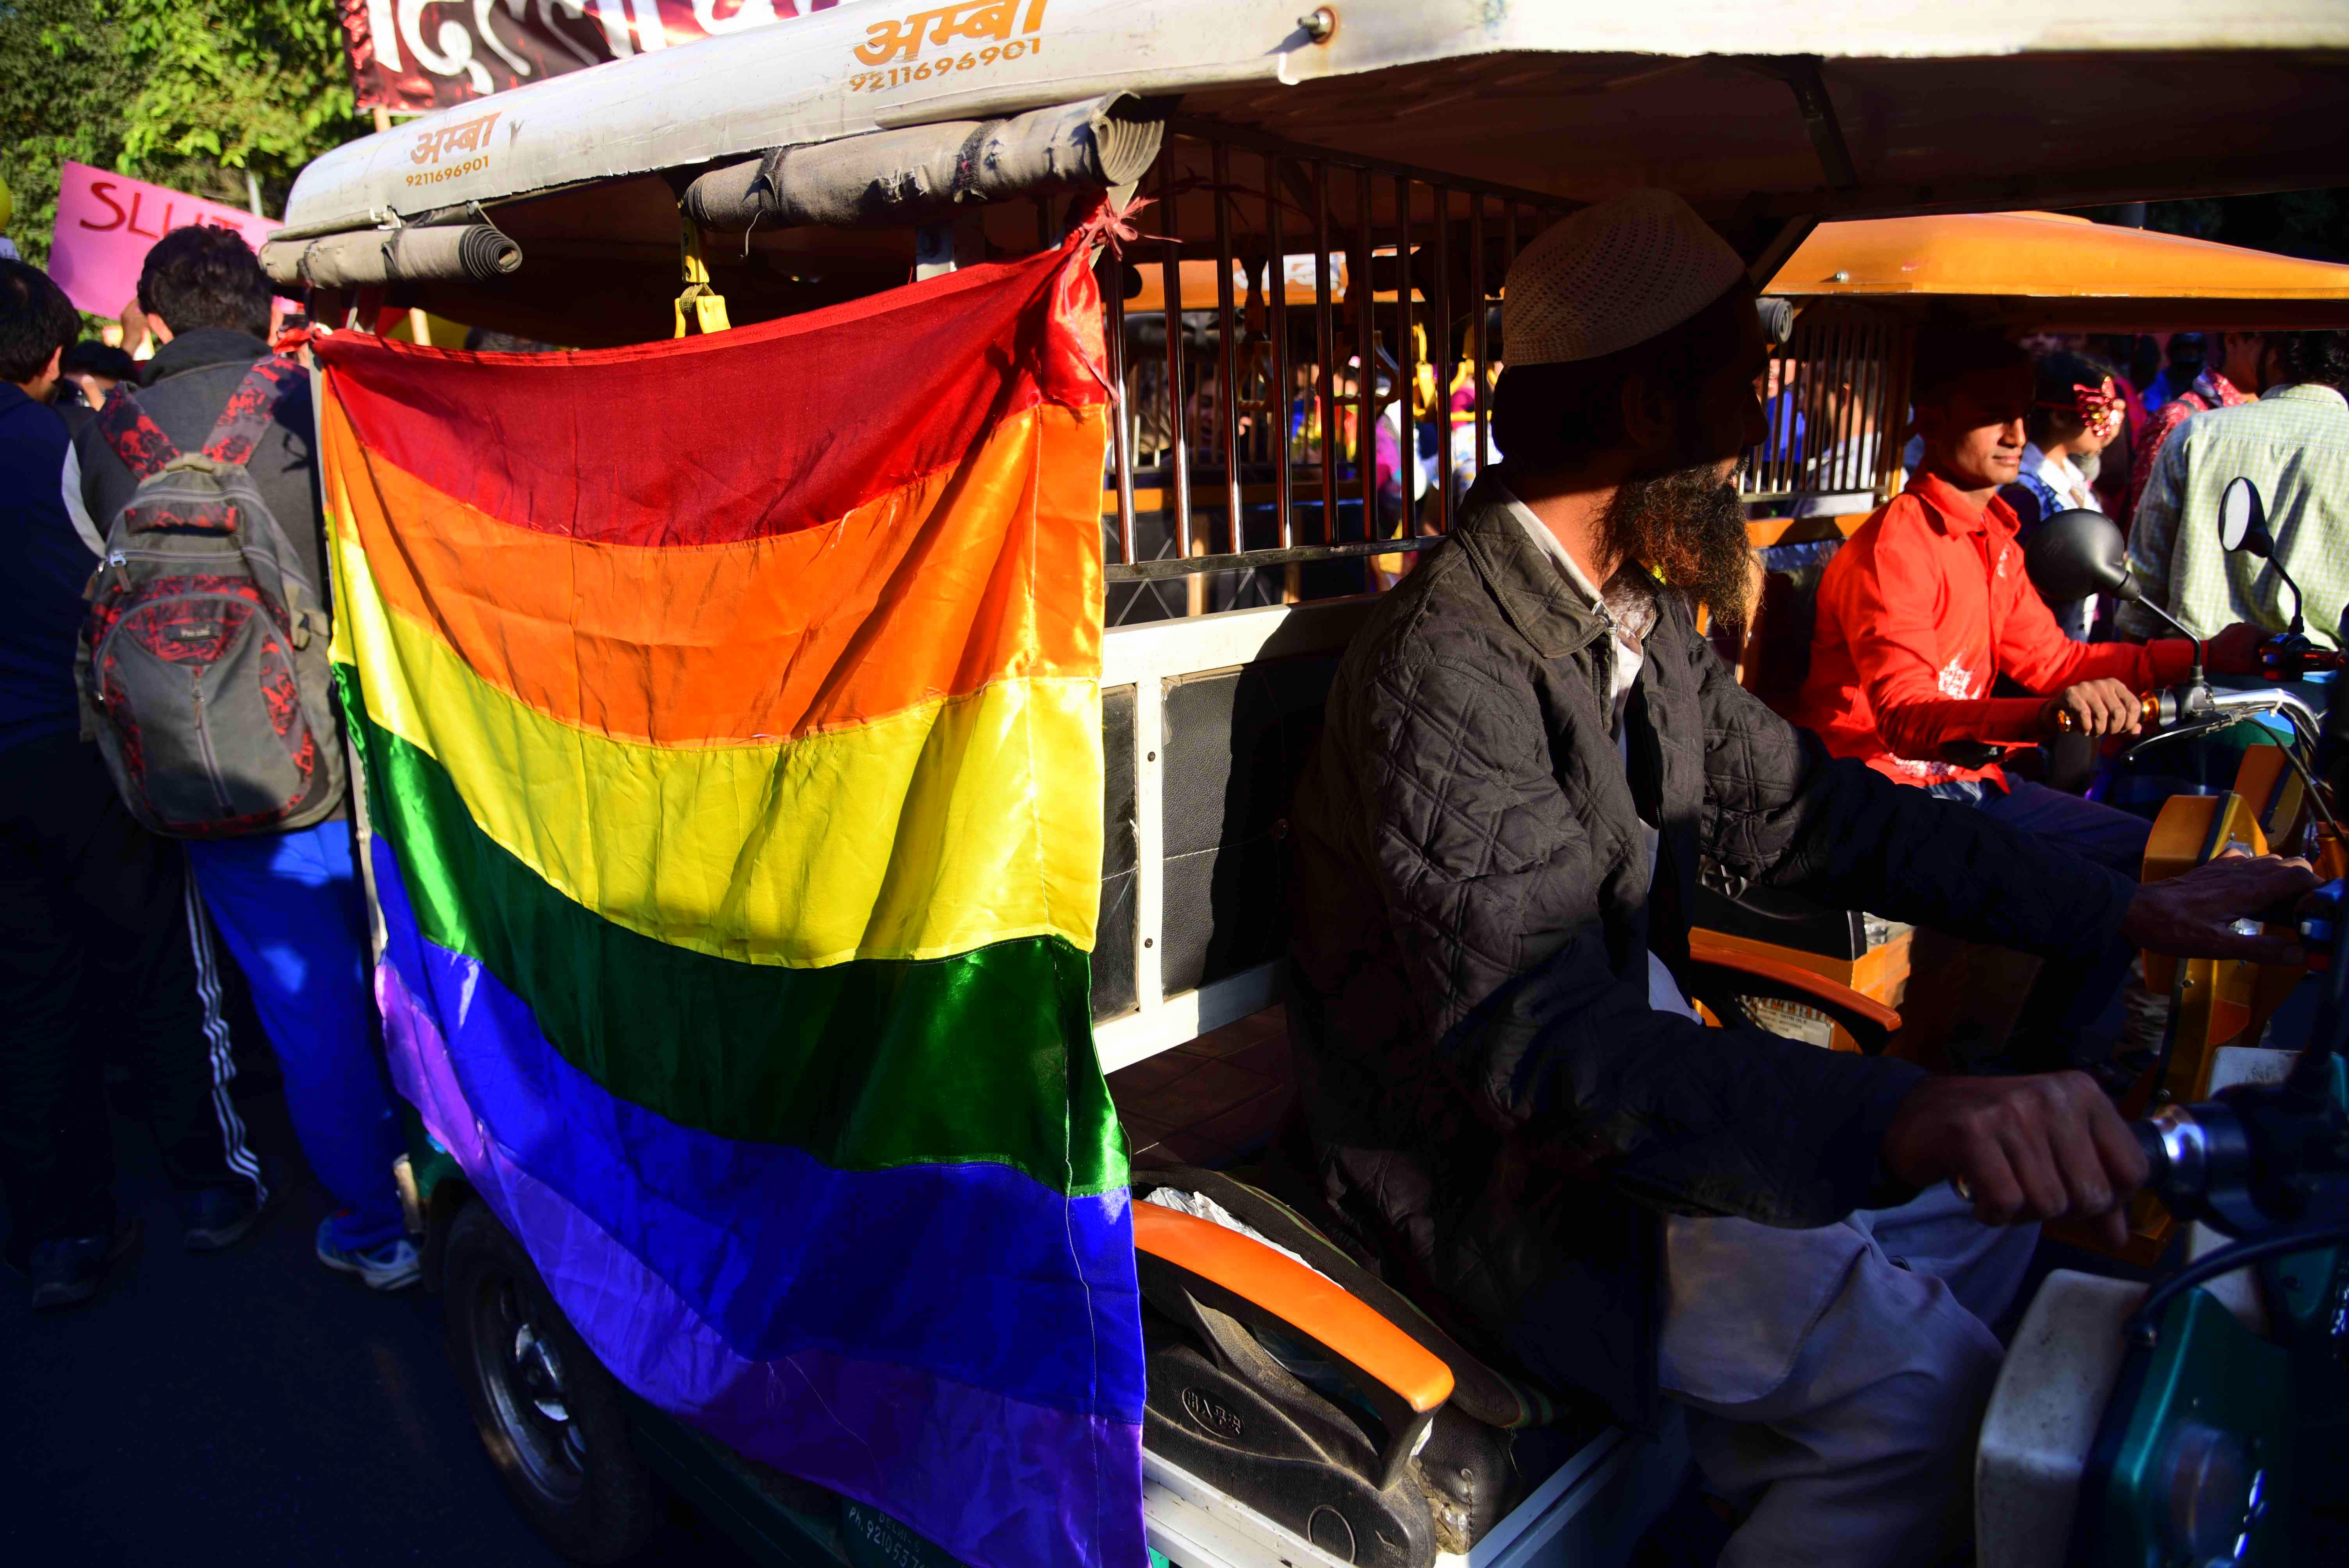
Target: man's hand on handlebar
[
  {"x": 2093, "y": 707},
  {"x": 2038, "y": 1147},
  {"x": 2236, "y": 650},
  {"x": 2192, "y": 915}
]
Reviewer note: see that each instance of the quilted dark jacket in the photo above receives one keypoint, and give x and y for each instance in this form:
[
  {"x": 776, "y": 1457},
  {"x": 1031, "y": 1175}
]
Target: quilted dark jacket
[{"x": 1497, "y": 1112}]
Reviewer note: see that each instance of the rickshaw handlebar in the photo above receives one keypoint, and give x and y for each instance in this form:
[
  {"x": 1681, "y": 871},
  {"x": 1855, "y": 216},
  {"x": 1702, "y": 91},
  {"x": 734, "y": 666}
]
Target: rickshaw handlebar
[
  {"x": 2148, "y": 712},
  {"x": 2159, "y": 710}
]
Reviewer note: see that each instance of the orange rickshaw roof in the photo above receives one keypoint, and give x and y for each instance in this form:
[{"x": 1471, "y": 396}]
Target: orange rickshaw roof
[{"x": 2051, "y": 269}]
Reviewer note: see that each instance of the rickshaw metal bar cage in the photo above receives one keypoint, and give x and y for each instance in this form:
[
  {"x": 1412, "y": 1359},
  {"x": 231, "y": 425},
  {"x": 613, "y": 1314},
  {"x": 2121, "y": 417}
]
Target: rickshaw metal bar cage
[
  {"x": 1296, "y": 424},
  {"x": 1120, "y": 451},
  {"x": 1834, "y": 412},
  {"x": 1178, "y": 436},
  {"x": 1228, "y": 390},
  {"x": 1276, "y": 384}
]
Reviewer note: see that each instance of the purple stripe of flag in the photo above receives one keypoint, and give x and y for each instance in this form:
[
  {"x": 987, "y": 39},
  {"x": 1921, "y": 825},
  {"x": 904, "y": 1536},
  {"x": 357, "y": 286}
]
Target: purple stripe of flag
[
  {"x": 1005, "y": 1282},
  {"x": 1008, "y": 1483}
]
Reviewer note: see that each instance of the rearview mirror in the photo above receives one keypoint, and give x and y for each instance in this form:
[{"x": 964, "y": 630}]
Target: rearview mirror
[
  {"x": 2076, "y": 554},
  {"x": 2243, "y": 520}
]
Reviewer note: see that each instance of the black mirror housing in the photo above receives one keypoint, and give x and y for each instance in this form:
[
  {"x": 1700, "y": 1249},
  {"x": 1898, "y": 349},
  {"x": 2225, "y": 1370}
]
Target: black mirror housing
[{"x": 2076, "y": 554}]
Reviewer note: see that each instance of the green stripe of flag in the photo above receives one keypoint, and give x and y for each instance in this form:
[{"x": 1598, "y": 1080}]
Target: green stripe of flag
[{"x": 987, "y": 1055}]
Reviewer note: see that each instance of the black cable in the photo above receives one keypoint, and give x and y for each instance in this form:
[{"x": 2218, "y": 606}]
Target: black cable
[{"x": 2142, "y": 1323}]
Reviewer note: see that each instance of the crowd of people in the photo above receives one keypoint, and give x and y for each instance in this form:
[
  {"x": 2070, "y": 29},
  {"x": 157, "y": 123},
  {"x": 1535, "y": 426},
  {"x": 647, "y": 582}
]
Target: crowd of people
[
  {"x": 110, "y": 934},
  {"x": 1933, "y": 660},
  {"x": 2093, "y": 438}
]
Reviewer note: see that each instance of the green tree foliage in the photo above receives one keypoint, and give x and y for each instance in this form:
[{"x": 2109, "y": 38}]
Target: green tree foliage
[
  {"x": 192, "y": 94},
  {"x": 56, "y": 78},
  {"x": 2311, "y": 224}
]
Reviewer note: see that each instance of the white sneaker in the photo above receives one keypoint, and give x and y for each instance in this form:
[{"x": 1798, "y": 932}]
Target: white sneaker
[{"x": 389, "y": 1266}]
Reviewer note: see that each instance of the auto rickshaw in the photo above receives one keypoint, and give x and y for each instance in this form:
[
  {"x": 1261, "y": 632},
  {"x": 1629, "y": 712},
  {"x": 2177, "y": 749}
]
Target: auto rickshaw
[
  {"x": 1864, "y": 288},
  {"x": 778, "y": 169}
]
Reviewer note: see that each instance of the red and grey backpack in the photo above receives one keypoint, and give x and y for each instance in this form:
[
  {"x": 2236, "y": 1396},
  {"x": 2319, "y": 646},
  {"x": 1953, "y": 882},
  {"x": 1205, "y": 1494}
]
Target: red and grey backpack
[{"x": 203, "y": 666}]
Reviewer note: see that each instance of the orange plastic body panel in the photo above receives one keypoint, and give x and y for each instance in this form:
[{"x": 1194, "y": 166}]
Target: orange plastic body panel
[
  {"x": 2278, "y": 800},
  {"x": 1201, "y": 292},
  {"x": 1880, "y": 974},
  {"x": 1299, "y": 1296},
  {"x": 2214, "y": 996},
  {"x": 2211, "y": 994},
  {"x": 1764, "y": 532},
  {"x": 2266, "y": 779},
  {"x": 2037, "y": 261},
  {"x": 1704, "y": 949},
  {"x": 2150, "y": 1232},
  {"x": 2219, "y": 1000}
]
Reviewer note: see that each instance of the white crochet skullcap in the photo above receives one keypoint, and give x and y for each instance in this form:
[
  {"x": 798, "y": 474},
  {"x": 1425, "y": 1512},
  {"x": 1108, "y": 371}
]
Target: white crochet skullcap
[{"x": 1612, "y": 275}]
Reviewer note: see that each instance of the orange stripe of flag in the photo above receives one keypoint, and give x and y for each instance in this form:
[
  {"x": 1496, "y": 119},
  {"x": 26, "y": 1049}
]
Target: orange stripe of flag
[{"x": 916, "y": 595}]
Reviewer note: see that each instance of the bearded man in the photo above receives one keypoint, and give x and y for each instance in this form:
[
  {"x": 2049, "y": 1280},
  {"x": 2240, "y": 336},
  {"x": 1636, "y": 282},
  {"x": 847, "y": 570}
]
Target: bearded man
[{"x": 1530, "y": 759}]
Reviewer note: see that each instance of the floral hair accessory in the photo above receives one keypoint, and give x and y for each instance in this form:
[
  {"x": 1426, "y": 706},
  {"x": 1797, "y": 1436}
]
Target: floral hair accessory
[{"x": 2100, "y": 407}]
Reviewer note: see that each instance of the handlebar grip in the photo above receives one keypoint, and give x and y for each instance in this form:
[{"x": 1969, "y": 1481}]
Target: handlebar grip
[
  {"x": 2148, "y": 712},
  {"x": 2177, "y": 1188}
]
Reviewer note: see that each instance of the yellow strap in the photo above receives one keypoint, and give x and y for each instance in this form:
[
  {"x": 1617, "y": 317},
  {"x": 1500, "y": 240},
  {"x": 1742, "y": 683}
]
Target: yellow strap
[{"x": 708, "y": 306}]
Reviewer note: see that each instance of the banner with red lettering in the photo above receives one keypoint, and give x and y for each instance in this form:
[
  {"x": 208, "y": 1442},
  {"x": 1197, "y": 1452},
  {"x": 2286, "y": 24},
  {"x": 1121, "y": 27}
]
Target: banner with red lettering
[
  {"x": 429, "y": 54},
  {"x": 108, "y": 222}
]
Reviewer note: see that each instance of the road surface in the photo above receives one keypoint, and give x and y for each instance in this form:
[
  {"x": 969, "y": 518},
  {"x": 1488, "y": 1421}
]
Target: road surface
[{"x": 251, "y": 1408}]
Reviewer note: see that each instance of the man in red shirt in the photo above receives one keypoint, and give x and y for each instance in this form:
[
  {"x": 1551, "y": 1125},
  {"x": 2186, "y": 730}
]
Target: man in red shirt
[{"x": 1928, "y": 606}]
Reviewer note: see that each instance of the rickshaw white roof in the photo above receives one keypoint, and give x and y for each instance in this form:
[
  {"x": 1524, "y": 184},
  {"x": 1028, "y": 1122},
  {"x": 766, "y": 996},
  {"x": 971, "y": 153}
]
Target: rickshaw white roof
[{"x": 1994, "y": 102}]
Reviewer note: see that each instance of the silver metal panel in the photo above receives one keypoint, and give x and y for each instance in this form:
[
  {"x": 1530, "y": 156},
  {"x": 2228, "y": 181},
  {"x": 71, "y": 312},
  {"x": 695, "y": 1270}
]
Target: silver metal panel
[
  {"x": 1595, "y": 1508},
  {"x": 1589, "y": 1514},
  {"x": 1198, "y": 1527},
  {"x": 1146, "y": 657}
]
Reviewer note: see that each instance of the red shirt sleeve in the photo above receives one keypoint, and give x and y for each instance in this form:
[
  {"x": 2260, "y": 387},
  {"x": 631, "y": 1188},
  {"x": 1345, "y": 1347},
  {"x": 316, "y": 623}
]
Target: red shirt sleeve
[{"x": 1885, "y": 607}]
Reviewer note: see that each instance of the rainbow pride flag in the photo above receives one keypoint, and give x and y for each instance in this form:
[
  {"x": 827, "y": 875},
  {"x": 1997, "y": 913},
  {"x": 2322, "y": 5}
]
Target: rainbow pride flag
[{"x": 729, "y": 714}]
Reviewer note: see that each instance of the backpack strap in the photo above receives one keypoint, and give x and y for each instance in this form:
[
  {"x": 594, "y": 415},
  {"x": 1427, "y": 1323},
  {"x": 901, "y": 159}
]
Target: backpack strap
[
  {"x": 251, "y": 409},
  {"x": 136, "y": 439}
]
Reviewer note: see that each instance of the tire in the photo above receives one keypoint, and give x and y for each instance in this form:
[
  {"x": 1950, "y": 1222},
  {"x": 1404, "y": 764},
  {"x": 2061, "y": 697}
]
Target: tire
[{"x": 548, "y": 1412}]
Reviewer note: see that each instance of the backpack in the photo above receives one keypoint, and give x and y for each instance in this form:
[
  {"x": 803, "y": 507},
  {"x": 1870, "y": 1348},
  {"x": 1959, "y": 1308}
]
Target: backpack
[{"x": 202, "y": 663}]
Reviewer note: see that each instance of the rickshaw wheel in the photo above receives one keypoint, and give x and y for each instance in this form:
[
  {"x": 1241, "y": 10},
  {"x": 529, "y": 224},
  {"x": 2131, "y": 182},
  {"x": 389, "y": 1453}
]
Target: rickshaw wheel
[{"x": 548, "y": 1412}]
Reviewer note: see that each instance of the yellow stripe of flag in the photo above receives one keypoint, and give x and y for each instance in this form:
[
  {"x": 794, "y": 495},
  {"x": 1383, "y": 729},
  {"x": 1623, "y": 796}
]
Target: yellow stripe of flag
[{"x": 930, "y": 833}]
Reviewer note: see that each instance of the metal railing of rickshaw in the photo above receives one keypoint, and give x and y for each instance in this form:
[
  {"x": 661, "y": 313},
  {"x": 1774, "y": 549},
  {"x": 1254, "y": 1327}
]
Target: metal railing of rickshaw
[
  {"x": 1835, "y": 408},
  {"x": 1311, "y": 251},
  {"x": 1243, "y": 463}
]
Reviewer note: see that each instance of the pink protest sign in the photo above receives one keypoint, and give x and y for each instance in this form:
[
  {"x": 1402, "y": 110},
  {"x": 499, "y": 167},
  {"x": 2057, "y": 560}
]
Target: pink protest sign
[{"x": 106, "y": 223}]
